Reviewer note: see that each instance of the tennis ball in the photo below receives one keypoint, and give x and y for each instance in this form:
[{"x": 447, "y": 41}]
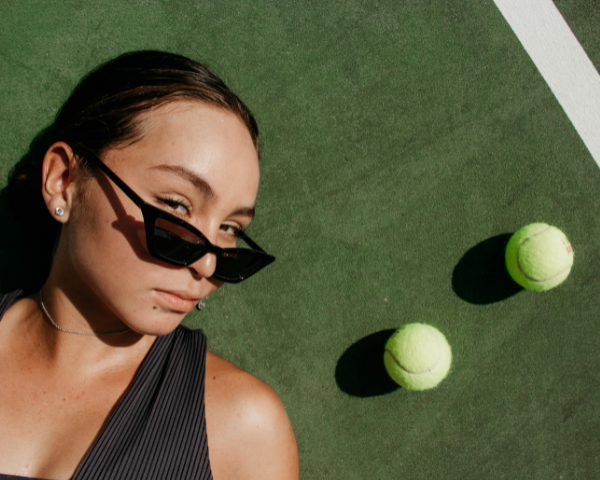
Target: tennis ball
[
  {"x": 417, "y": 356},
  {"x": 539, "y": 257}
]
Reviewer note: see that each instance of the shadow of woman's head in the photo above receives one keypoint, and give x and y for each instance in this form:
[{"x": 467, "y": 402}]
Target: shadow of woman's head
[{"x": 28, "y": 232}]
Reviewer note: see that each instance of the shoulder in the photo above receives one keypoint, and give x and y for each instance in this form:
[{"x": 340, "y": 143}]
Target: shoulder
[{"x": 249, "y": 433}]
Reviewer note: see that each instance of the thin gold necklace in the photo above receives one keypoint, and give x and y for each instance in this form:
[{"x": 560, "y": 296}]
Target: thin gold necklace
[{"x": 91, "y": 334}]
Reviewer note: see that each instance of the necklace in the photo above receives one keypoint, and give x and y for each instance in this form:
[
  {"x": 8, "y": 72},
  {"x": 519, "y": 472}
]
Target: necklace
[{"x": 91, "y": 334}]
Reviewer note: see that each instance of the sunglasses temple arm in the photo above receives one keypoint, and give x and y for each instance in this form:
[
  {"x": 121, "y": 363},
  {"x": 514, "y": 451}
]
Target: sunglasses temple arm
[
  {"x": 249, "y": 241},
  {"x": 110, "y": 174}
]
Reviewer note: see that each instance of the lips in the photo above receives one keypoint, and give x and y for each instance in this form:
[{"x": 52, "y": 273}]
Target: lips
[{"x": 177, "y": 301}]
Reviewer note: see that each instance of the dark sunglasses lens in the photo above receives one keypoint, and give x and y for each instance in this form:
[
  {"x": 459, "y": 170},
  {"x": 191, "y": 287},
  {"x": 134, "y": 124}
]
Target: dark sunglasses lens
[
  {"x": 181, "y": 246},
  {"x": 238, "y": 265},
  {"x": 176, "y": 242}
]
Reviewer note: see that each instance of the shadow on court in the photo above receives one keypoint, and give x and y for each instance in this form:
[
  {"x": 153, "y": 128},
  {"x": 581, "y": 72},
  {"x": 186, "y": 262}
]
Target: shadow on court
[
  {"x": 360, "y": 371},
  {"x": 480, "y": 277},
  {"x": 26, "y": 244}
]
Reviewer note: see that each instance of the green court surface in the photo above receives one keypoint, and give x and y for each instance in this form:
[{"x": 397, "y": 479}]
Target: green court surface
[{"x": 403, "y": 142}]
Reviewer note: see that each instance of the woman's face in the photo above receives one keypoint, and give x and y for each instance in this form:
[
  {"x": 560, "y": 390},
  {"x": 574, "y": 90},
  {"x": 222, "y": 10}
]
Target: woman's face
[{"x": 194, "y": 161}]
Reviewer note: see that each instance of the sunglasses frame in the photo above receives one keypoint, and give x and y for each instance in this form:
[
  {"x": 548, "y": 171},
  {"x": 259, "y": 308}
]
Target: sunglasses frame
[{"x": 152, "y": 213}]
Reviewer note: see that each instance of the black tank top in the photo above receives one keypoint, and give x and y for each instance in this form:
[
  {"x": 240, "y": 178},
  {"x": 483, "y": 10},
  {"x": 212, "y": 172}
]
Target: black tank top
[{"x": 158, "y": 429}]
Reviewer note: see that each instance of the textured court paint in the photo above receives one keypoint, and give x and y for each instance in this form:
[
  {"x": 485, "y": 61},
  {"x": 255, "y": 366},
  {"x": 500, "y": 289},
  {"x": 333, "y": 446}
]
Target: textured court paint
[
  {"x": 398, "y": 136},
  {"x": 562, "y": 62}
]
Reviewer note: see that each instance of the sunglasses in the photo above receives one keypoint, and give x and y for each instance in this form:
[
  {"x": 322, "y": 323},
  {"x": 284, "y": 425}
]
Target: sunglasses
[{"x": 178, "y": 243}]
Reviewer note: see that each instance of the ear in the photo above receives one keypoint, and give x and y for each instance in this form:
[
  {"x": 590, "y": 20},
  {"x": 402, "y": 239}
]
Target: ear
[{"x": 59, "y": 172}]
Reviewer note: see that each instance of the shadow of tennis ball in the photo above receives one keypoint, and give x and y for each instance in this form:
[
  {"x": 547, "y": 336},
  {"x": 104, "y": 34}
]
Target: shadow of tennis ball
[
  {"x": 480, "y": 277},
  {"x": 360, "y": 371}
]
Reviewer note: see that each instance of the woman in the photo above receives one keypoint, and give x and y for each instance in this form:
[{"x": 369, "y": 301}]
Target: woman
[{"x": 152, "y": 176}]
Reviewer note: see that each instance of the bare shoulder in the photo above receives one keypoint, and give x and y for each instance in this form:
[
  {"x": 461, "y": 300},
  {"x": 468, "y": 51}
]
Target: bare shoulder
[{"x": 249, "y": 433}]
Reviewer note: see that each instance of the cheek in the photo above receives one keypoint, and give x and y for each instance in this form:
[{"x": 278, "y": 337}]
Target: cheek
[
  {"x": 112, "y": 244},
  {"x": 108, "y": 253}
]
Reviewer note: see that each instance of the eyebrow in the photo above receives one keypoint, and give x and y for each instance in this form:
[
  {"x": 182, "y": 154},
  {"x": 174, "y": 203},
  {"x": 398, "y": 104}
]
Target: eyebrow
[
  {"x": 198, "y": 182},
  {"x": 203, "y": 186},
  {"x": 245, "y": 212}
]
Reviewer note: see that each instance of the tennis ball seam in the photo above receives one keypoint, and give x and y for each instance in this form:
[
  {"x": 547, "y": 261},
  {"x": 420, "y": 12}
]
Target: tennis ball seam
[
  {"x": 430, "y": 369},
  {"x": 519, "y": 263}
]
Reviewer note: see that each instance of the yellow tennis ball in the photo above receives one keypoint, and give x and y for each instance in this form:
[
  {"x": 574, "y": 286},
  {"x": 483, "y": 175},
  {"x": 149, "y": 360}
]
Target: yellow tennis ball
[
  {"x": 539, "y": 257},
  {"x": 417, "y": 356}
]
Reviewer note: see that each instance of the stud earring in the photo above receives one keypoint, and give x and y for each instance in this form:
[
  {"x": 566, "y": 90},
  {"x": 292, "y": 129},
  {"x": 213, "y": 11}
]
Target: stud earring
[
  {"x": 200, "y": 306},
  {"x": 59, "y": 211}
]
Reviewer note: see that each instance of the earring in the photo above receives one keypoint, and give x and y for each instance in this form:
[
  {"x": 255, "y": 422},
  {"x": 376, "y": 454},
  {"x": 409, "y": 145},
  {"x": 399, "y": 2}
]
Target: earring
[
  {"x": 59, "y": 211},
  {"x": 200, "y": 306}
]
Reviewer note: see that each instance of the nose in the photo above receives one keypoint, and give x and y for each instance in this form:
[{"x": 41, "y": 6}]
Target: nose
[{"x": 205, "y": 266}]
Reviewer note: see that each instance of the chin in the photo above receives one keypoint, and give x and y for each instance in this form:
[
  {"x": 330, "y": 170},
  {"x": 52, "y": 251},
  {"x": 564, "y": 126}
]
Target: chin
[
  {"x": 157, "y": 323},
  {"x": 152, "y": 313}
]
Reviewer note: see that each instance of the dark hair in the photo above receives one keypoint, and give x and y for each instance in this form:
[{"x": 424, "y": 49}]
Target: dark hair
[{"x": 104, "y": 110}]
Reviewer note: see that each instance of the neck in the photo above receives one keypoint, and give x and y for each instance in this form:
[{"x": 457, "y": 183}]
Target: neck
[{"x": 75, "y": 332}]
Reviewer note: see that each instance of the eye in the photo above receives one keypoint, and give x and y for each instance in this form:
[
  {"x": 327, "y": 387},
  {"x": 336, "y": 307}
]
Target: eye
[
  {"x": 175, "y": 205},
  {"x": 231, "y": 230}
]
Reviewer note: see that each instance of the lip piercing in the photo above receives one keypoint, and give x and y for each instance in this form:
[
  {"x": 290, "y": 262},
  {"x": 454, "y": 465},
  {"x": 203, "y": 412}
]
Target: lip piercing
[
  {"x": 200, "y": 306},
  {"x": 59, "y": 211}
]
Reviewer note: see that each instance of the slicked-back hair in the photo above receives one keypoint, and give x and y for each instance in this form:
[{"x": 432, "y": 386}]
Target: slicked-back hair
[{"x": 104, "y": 107}]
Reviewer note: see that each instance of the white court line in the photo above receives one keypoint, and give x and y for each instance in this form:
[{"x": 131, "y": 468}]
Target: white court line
[{"x": 561, "y": 60}]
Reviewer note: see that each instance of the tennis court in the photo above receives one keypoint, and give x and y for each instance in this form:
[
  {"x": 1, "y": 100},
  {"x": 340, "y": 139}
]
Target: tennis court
[{"x": 402, "y": 143}]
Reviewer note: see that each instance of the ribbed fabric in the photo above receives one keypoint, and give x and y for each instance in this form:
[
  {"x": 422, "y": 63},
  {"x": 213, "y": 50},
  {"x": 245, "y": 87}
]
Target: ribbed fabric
[{"x": 158, "y": 430}]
